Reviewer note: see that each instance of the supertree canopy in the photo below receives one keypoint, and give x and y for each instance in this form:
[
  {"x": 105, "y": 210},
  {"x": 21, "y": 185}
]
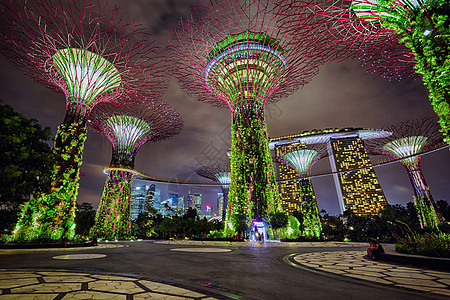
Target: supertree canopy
[
  {"x": 91, "y": 52},
  {"x": 371, "y": 27},
  {"x": 218, "y": 172},
  {"x": 408, "y": 141},
  {"x": 234, "y": 54},
  {"x": 302, "y": 158},
  {"x": 128, "y": 126}
]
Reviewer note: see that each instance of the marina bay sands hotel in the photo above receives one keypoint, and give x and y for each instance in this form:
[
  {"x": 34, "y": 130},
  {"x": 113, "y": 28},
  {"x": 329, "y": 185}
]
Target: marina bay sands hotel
[{"x": 358, "y": 191}]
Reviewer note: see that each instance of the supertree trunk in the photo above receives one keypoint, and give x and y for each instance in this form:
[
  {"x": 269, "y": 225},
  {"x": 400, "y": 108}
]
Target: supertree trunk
[
  {"x": 310, "y": 211},
  {"x": 428, "y": 216},
  {"x": 50, "y": 216},
  {"x": 253, "y": 189},
  {"x": 112, "y": 220}
]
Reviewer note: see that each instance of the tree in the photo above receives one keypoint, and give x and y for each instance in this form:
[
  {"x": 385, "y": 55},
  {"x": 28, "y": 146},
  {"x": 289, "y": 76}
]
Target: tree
[
  {"x": 444, "y": 209},
  {"x": 85, "y": 218},
  {"x": 26, "y": 160},
  {"x": 278, "y": 220}
]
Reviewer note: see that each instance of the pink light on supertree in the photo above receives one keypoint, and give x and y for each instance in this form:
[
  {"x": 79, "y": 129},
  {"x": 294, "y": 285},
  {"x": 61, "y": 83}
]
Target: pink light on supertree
[
  {"x": 91, "y": 52},
  {"x": 235, "y": 54},
  {"x": 397, "y": 38},
  {"x": 337, "y": 24},
  {"x": 409, "y": 140},
  {"x": 127, "y": 125}
]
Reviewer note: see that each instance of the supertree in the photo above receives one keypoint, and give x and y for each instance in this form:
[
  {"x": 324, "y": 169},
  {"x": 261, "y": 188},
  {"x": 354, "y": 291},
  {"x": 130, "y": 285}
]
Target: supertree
[
  {"x": 235, "y": 55},
  {"x": 128, "y": 126},
  {"x": 218, "y": 172},
  {"x": 409, "y": 140},
  {"x": 371, "y": 27},
  {"x": 92, "y": 53},
  {"x": 301, "y": 158}
]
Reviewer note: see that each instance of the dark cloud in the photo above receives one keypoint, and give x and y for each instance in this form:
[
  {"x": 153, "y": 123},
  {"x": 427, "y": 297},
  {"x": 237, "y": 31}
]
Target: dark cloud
[{"x": 341, "y": 95}]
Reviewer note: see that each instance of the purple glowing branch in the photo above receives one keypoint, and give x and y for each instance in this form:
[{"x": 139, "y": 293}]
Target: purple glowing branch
[
  {"x": 130, "y": 124},
  {"x": 91, "y": 51},
  {"x": 354, "y": 28},
  {"x": 235, "y": 55}
]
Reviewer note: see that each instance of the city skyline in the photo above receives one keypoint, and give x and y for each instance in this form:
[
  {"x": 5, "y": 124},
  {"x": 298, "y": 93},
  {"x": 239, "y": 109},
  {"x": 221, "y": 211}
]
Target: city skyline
[{"x": 341, "y": 95}]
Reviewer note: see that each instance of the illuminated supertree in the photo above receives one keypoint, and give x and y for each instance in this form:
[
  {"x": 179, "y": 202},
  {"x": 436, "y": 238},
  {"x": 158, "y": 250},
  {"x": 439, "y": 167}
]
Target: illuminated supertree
[
  {"x": 235, "y": 55},
  {"x": 128, "y": 126},
  {"x": 409, "y": 140},
  {"x": 218, "y": 172},
  {"x": 302, "y": 158},
  {"x": 92, "y": 53},
  {"x": 372, "y": 27}
]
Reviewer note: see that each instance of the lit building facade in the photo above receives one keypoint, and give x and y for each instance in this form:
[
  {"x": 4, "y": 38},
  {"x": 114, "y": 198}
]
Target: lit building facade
[
  {"x": 358, "y": 191},
  {"x": 198, "y": 204},
  {"x": 138, "y": 200},
  {"x": 290, "y": 190}
]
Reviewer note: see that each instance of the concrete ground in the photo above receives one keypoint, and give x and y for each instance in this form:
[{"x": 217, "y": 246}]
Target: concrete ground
[{"x": 213, "y": 270}]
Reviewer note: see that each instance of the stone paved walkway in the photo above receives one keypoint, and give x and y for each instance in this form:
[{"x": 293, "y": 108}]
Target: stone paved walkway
[
  {"x": 352, "y": 264},
  {"x": 20, "y": 284}
]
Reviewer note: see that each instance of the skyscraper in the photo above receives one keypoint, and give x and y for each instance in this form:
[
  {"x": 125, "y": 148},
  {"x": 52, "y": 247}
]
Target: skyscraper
[
  {"x": 358, "y": 191},
  {"x": 190, "y": 201},
  {"x": 198, "y": 203},
  {"x": 181, "y": 205},
  {"x": 150, "y": 197},
  {"x": 174, "y": 198},
  {"x": 138, "y": 199}
]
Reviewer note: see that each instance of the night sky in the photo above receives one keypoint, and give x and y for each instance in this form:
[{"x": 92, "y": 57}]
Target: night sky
[{"x": 341, "y": 95}]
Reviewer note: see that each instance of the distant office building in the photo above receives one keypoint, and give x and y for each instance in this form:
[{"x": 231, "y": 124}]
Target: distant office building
[
  {"x": 174, "y": 198},
  {"x": 150, "y": 197},
  {"x": 138, "y": 199},
  {"x": 198, "y": 203},
  {"x": 181, "y": 205},
  {"x": 190, "y": 201}
]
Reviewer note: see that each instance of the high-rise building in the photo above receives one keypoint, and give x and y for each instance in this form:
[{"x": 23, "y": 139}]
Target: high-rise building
[
  {"x": 358, "y": 191},
  {"x": 290, "y": 190},
  {"x": 138, "y": 199},
  {"x": 174, "y": 198},
  {"x": 150, "y": 197},
  {"x": 181, "y": 205},
  {"x": 190, "y": 201},
  {"x": 198, "y": 203},
  {"x": 157, "y": 199}
]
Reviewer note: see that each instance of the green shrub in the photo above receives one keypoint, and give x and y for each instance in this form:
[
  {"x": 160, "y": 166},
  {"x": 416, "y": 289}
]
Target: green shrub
[{"x": 427, "y": 244}]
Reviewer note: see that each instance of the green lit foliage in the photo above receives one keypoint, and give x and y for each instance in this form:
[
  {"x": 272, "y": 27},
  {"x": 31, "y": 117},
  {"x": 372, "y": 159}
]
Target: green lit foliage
[
  {"x": 428, "y": 216},
  {"x": 278, "y": 224},
  {"x": 253, "y": 190},
  {"x": 26, "y": 159},
  {"x": 426, "y": 31},
  {"x": 311, "y": 220},
  {"x": 113, "y": 215},
  {"x": 50, "y": 216}
]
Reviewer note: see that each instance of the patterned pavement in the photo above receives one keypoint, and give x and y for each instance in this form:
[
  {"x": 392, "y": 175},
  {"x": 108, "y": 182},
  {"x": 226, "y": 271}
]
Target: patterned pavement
[
  {"x": 21, "y": 284},
  {"x": 351, "y": 264}
]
